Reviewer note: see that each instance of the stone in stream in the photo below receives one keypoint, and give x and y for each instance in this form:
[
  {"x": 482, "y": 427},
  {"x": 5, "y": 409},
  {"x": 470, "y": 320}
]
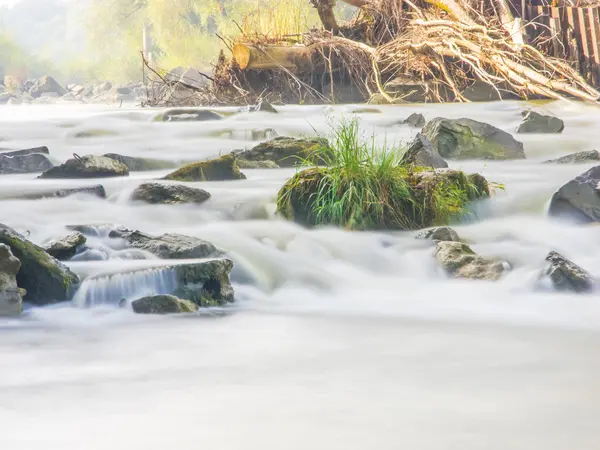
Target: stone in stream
[
  {"x": 169, "y": 194},
  {"x": 25, "y": 161},
  {"x": 46, "y": 85},
  {"x": 163, "y": 304},
  {"x": 97, "y": 191},
  {"x": 579, "y": 199},
  {"x": 45, "y": 279},
  {"x": 420, "y": 152},
  {"x": 27, "y": 151},
  {"x": 469, "y": 139},
  {"x": 439, "y": 234},
  {"x": 566, "y": 276},
  {"x": 534, "y": 122},
  {"x": 66, "y": 247},
  {"x": 89, "y": 166},
  {"x": 135, "y": 164},
  {"x": 167, "y": 246},
  {"x": 285, "y": 151},
  {"x": 460, "y": 261},
  {"x": 11, "y": 302},
  {"x": 245, "y": 164},
  {"x": 577, "y": 158},
  {"x": 415, "y": 120},
  {"x": 187, "y": 115},
  {"x": 262, "y": 106},
  {"x": 221, "y": 169}
]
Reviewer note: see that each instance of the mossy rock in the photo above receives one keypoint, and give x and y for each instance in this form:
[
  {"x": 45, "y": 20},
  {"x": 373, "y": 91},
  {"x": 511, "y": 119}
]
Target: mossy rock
[
  {"x": 156, "y": 193},
  {"x": 245, "y": 164},
  {"x": 89, "y": 166},
  {"x": 46, "y": 280},
  {"x": 287, "y": 151},
  {"x": 163, "y": 304},
  {"x": 460, "y": 261},
  {"x": 224, "y": 168}
]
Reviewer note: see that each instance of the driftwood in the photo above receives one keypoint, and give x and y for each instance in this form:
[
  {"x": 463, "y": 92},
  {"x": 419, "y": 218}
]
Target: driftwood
[{"x": 292, "y": 57}]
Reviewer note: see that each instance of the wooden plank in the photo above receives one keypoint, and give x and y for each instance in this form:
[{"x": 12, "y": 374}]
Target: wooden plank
[
  {"x": 557, "y": 36},
  {"x": 581, "y": 31},
  {"x": 594, "y": 17}
]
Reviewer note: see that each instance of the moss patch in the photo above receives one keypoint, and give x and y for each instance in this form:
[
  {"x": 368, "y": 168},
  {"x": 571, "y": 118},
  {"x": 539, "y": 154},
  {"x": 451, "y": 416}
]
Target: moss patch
[{"x": 221, "y": 169}]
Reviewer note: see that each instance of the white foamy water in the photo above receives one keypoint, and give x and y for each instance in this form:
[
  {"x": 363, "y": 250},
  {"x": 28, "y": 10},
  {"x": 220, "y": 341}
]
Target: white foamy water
[{"x": 337, "y": 340}]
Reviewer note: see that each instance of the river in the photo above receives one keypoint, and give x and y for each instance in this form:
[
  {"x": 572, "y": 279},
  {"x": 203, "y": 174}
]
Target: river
[{"x": 337, "y": 340}]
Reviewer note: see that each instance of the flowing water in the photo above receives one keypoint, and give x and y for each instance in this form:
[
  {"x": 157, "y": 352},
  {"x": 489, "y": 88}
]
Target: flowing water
[{"x": 337, "y": 340}]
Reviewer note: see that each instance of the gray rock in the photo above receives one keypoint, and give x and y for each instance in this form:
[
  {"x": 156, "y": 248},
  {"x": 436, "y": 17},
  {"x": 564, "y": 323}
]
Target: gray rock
[
  {"x": 141, "y": 164},
  {"x": 27, "y": 151},
  {"x": 579, "y": 199},
  {"x": 469, "y": 139},
  {"x": 97, "y": 190},
  {"x": 415, "y": 120},
  {"x": 224, "y": 168},
  {"x": 45, "y": 279},
  {"x": 439, "y": 234},
  {"x": 577, "y": 158},
  {"x": 102, "y": 88},
  {"x": 66, "y": 247},
  {"x": 89, "y": 166},
  {"x": 169, "y": 194},
  {"x": 460, "y": 261},
  {"x": 46, "y": 85},
  {"x": 11, "y": 302},
  {"x": 24, "y": 163},
  {"x": 567, "y": 276},
  {"x": 284, "y": 151},
  {"x": 163, "y": 304},
  {"x": 245, "y": 164},
  {"x": 420, "y": 152},
  {"x": 167, "y": 246},
  {"x": 480, "y": 91},
  {"x": 188, "y": 115},
  {"x": 534, "y": 122}
]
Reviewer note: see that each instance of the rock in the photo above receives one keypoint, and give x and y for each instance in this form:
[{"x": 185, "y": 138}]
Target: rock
[
  {"x": 141, "y": 164},
  {"x": 188, "y": 115},
  {"x": 439, "y": 234},
  {"x": 23, "y": 163},
  {"x": 579, "y": 199},
  {"x": 221, "y": 169},
  {"x": 284, "y": 151},
  {"x": 537, "y": 123},
  {"x": 245, "y": 164},
  {"x": 45, "y": 279},
  {"x": 28, "y": 151},
  {"x": 167, "y": 246},
  {"x": 156, "y": 193},
  {"x": 566, "y": 276},
  {"x": 163, "y": 304},
  {"x": 46, "y": 85},
  {"x": 89, "y": 166},
  {"x": 460, "y": 261},
  {"x": 11, "y": 303},
  {"x": 66, "y": 247},
  {"x": 415, "y": 120},
  {"x": 577, "y": 158},
  {"x": 102, "y": 88},
  {"x": 123, "y": 91},
  {"x": 5, "y": 97},
  {"x": 481, "y": 91},
  {"x": 76, "y": 89},
  {"x": 97, "y": 190},
  {"x": 469, "y": 139},
  {"x": 420, "y": 152},
  {"x": 262, "y": 106}
]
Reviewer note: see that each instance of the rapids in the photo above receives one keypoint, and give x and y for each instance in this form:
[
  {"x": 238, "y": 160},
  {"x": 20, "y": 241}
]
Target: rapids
[{"x": 337, "y": 340}]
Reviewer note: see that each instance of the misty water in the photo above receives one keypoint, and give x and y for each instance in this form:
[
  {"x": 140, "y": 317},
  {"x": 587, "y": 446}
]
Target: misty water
[{"x": 337, "y": 340}]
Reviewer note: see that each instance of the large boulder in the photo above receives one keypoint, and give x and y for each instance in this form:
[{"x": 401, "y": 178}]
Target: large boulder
[
  {"x": 10, "y": 294},
  {"x": 89, "y": 166},
  {"x": 420, "y": 152},
  {"x": 579, "y": 199},
  {"x": 156, "y": 193},
  {"x": 141, "y": 164},
  {"x": 46, "y": 85},
  {"x": 534, "y": 122},
  {"x": 285, "y": 151},
  {"x": 221, "y": 169},
  {"x": 577, "y": 158},
  {"x": 167, "y": 246},
  {"x": 460, "y": 261},
  {"x": 469, "y": 139},
  {"x": 23, "y": 163},
  {"x": 45, "y": 279},
  {"x": 566, "y": 276},
  {"x": 163, "y": 304},
  {"x": 66, "y": 247}
]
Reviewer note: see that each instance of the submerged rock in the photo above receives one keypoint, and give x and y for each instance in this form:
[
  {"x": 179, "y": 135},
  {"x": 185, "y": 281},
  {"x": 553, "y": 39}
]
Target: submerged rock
[
  {"x": 221, "y": 169},
  {"x": 439, "y": 234},
  {"x": 566, "y": 275},
  {"x": 460, "y": 261},
  {"x": 167, "y": 246},
  {"x": 420, "y": 152},
  {"x": 469, "y": 139},
  {"x": 534, "y": 122},
  {"x": 579, "y": 199},
  {"x": 45, "y": 279},
  {"x": 141, "y": 164},
  {"x": 66, "y": 247},
  {"x": 89, "y": 166},
  {"x": 156, "y": 193},
  {"x": 188, "y": 115},
  {"x": 11, "y": 303},
  {"x": 23, "y": 163},
  {"x": 577, "y": 158},
  {"x": 285, "y": 151},
  {"x": 163, "y": 304}
]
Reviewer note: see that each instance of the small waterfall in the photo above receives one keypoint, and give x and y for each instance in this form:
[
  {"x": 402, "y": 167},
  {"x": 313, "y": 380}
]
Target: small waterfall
[{"x": 110, "y": 289}]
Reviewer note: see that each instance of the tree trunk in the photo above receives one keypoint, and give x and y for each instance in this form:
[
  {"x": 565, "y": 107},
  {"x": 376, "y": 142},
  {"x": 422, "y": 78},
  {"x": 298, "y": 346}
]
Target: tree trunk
[
  {"x": 326, "y": 14},
  {"x": 296, "y": 57}
]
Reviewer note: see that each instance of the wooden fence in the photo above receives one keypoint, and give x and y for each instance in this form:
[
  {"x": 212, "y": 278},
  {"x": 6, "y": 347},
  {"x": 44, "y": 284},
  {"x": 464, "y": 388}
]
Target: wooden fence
[{"x": 569, "y": 33}]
